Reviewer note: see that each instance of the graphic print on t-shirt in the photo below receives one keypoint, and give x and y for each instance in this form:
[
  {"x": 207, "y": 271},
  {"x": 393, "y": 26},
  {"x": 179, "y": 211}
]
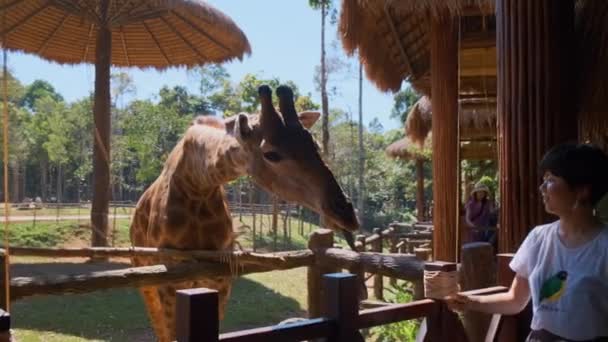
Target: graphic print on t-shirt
[{"x": 554, "y": 287}]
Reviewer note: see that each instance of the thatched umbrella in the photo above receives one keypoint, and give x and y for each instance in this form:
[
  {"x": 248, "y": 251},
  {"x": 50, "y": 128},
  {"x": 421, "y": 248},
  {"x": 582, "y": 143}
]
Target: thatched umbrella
[
  {"x": 140, "y": 33},
  {"x": 477, "y": 121}
]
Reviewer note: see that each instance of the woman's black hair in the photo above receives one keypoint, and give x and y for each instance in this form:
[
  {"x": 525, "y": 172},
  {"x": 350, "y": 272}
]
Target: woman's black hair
[{"x": 579, "y": 165}]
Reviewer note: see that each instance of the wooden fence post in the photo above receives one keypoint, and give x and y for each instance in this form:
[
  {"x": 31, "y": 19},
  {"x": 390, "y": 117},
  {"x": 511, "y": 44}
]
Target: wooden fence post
[
  {"x": 393, "y": 249},
  {"x": 342, "y": 306},
  {"x": 5, "y": 326},
  {"x": 477, "y": 271},
  {"x": 359, "y": 271},
  {"x": 443, "y": 325},
  {"x": 378, "y": 281},
  {"x": 197, "y": 317},
  {"x": 319, "y": 239},
  {"x": 5, "y": 286}
]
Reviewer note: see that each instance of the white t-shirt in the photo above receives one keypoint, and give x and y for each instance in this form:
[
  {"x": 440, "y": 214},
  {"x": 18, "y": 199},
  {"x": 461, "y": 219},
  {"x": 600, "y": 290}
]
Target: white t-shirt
[{"x": 569, "y": 286}]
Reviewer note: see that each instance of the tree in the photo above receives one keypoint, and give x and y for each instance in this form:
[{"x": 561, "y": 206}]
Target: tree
[
  {"x": 122, "y": 84},
  {"x": 325, "y": 6},
  {"x": 361, "y": 154},
  {"x": 404, "y": 100},
  {"x": 39, "y": 89}
]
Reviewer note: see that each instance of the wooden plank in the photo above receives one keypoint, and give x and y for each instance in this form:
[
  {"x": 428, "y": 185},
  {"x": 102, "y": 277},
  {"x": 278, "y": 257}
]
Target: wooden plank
[
  {"x": 395, "y": 313},
  {"x": 128, "y": 277},
  {"x": 399, "y": 266},
  {"x": 197, "y": 315},
  {"x": 305, "y": 330},
  {"x": 477, "y": 271},
  {"x": 342, "y": 306},
  {"x": 278, "y": 260}
]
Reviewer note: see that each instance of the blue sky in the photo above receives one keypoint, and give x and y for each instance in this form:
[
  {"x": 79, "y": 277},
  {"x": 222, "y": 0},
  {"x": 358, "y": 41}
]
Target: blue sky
[{"x": 285, "y": 40}]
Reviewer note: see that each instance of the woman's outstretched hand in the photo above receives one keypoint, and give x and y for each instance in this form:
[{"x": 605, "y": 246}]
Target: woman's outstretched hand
[{"x": 459, "y": 302}]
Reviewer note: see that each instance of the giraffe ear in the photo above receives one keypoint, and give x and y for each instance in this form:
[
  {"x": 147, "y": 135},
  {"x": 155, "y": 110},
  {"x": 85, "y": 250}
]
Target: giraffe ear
[
  {"x": 308, "y": 118},
  {"x": 242, "y": 131}
]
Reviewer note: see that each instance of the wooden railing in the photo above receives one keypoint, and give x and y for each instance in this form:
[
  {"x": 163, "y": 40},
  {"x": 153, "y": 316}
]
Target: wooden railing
[
  {"x": 197, "y": 313},
  {"x": 321, "y": 258}
]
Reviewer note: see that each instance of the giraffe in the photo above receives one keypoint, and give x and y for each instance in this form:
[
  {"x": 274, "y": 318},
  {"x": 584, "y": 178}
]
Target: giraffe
[{"x": 185, "y": 208}]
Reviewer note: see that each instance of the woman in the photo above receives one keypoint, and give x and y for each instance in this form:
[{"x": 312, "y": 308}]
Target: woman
[
  {"x": 479, "y": 212},
  {"x": 562, "y": 265}
]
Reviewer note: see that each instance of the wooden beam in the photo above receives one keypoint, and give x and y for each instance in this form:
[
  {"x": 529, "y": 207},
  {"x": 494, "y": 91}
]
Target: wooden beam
[
  {"x": 77, "y": 10},
  {"x": 86, "y": 46},
  {"x": 399, "y": 266},
  {"x": 279, "y": 260},
  {"x": 444, "y": 103},
  {"x": 404, "y": 57},
  {"x": 160, "y": 48},
  {"x": 52, "y": 34},
  {"x": 186, "y": 41},
  {"x": 129, "y": 277},
  {"x": 124, "y": 45},
  {"x": 200, "y": 30},
  {"x": 480, "y": 39},
  {"x": 25, "y": 19}
]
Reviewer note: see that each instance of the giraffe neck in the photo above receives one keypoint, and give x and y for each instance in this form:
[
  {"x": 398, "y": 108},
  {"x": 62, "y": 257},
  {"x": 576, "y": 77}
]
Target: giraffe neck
[{"x": 207, "y": 159}]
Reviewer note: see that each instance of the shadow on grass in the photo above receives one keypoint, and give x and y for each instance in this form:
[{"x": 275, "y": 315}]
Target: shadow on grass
[{"x": 119, "y": 314}]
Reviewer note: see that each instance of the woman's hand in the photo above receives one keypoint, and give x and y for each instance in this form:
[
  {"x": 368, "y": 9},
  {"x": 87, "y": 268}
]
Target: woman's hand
[{"x": 459, "y": 302}]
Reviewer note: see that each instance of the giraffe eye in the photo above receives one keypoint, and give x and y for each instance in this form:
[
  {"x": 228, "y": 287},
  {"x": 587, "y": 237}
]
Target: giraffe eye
[{"x": 272, "y": 157}]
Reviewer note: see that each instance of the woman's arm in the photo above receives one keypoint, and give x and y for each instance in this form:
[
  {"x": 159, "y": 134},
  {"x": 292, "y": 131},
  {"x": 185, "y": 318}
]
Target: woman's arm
[{"x": 508, "y": 303}]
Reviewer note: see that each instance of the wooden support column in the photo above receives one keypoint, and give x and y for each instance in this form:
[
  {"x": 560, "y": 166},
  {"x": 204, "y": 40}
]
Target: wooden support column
[
  {"x": 477, "y": 272},
  {"x": 535, "y": 104},
  {"x": 444, "y": 103},
  {"x": 320, "y": 239}
]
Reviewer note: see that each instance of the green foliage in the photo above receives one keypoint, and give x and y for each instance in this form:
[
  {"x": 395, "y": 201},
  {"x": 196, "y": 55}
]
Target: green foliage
[
  {"x": 404, "y": 100},
  {"x": 37, "y": 90},
  {"x": 402, "y": 331}
]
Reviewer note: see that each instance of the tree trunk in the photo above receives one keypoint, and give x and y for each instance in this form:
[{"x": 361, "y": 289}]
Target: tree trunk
[
  {"x": 58, "y": 184},
  {"x": 420, "y": 190},
  {"x": 43, "y": 179},
  {"x": 444, "y": 102},
  {"x": 101, "y": 146},
  {"x": 14, "y": 176},
  {"x": 324, "y": 100},
  {"x": 361, "y": 196},
  {"x": 535, "y": 104}
]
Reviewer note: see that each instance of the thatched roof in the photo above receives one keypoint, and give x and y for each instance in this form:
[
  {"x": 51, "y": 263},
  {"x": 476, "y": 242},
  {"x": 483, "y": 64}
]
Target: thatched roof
[
  {"x": 477, "y": 120},
  {"x": 406, "y": 149},
  {"x": 471, "y": 150},
  {"x": 392, "y": 39},
  {"x": 156, "y": 33}
]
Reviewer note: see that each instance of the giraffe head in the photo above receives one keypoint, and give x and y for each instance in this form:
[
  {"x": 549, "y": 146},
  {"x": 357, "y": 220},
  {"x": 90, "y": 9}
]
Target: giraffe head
[{"x": 285, "y": 160}]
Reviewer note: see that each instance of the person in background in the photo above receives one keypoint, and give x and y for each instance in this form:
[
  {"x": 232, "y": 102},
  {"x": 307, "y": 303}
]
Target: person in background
[
  {"x": 480, "y": 214},
  {"x": 563, "y": 265}
]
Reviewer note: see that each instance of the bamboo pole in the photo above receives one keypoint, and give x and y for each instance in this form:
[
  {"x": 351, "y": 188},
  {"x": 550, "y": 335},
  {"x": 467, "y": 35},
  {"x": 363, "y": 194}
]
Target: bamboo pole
[
  {"x": 444, "y": 102},
  {"x": 535, "y": 104}
]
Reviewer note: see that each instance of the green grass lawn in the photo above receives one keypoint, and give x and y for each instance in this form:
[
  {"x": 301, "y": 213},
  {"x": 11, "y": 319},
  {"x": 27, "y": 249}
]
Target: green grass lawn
[{"x": 72, "y": 210}]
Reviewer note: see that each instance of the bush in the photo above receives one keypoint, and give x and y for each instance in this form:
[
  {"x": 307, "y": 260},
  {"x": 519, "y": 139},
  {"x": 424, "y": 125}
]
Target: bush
[{"x": 402, "y": 331}]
